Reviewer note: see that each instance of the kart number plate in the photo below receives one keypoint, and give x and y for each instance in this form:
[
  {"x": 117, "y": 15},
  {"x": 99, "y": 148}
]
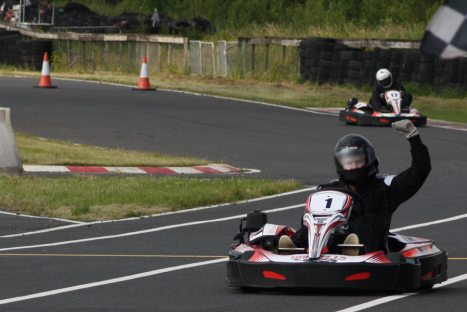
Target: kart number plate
[{"x": 328, "y": 201}]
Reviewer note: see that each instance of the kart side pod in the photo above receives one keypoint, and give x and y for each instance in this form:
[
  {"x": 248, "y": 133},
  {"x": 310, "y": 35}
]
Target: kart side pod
[{"x": 255, "y": 220}]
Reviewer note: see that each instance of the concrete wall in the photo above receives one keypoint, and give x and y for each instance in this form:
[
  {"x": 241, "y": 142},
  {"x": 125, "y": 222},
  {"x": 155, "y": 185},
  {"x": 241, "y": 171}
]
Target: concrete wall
[{"x": 10, "y": 161}]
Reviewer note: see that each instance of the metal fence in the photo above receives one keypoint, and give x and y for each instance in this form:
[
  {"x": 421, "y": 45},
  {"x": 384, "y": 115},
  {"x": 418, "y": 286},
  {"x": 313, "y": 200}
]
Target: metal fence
[{"x": 202, "y": 58}]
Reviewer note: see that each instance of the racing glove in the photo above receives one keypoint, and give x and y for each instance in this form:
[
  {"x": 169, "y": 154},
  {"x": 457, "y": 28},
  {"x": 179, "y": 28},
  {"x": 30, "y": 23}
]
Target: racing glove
[{"x": 405, "y": 127}]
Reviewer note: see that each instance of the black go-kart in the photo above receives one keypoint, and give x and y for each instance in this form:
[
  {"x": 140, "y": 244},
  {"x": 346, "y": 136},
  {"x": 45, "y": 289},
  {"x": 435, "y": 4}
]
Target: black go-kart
[
  {"x": 409, "y": 263},
  {"x": 361, "y": 113}
]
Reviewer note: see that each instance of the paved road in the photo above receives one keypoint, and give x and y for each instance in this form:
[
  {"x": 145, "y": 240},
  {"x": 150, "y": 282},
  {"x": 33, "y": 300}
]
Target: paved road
[{"x": 282, "y": 143}]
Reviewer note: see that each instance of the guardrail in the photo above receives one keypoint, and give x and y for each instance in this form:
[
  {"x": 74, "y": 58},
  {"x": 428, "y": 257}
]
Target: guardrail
[
  {"x": 295, "y": 42},
  {"x": 85, "y": 39}
]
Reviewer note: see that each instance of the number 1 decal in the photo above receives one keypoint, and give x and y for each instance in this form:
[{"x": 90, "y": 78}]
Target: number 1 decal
[{"x": 328, "y": 202}]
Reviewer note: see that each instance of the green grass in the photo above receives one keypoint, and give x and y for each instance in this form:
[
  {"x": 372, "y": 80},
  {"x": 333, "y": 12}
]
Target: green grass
[
  {"x": 36, "y": 151},
  {"x": 88, "y": 198}
]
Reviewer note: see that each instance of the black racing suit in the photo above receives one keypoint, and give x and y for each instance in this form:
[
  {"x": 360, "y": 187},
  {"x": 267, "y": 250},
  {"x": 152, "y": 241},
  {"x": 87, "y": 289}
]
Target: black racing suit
[
  {"x": 382, "y": 195},
  {"x": 377, "y": 102}
]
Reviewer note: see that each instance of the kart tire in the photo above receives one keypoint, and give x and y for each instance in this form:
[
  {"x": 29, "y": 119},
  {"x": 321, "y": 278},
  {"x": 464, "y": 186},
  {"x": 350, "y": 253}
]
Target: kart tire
[
  {"x": 303, "y": 61},
  {"x": 178, "y": 26},
  {"x": 308, "y": 53},
  {"x": 302, "y": 69},
  {"x": 355, "y": 65},
  {"x": 303, "y": 44},
  {"x": 368, "y": 65},
  {"x": 314, "y": 70},
  {"x": 343, "y": 64}
]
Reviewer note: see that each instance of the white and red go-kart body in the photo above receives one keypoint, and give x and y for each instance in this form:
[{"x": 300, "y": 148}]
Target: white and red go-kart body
[
  {"x": 410, "y": 262},
  {"x": 363, "y": 114}
]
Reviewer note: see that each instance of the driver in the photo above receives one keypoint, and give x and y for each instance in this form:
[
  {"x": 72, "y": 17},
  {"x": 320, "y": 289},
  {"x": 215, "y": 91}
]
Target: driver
[
  {"x": 384, "y": 83},
  {"x": 357, "y": 166}
]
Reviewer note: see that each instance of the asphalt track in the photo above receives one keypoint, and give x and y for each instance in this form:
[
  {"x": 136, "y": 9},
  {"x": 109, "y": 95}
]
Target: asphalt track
[{"x": 164, "y": 250}]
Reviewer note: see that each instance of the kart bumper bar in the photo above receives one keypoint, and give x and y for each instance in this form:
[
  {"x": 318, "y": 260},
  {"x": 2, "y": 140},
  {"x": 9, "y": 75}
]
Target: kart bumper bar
[{"x": 369, "y": 120}]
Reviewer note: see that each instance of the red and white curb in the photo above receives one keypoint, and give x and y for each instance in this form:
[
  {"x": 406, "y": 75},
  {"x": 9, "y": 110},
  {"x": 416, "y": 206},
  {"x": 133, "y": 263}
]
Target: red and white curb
[{"x": 214, "y": 168}]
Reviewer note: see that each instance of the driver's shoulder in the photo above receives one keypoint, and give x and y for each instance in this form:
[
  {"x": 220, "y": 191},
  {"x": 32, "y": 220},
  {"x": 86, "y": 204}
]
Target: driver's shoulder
[{"x": 385, "y": 178}]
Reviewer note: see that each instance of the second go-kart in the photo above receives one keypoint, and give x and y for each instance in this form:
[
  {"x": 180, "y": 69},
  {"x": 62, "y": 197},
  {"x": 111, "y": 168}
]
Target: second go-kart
[
  {"x": 361, "y": 113},
  {"x": 257, "y": 262}
]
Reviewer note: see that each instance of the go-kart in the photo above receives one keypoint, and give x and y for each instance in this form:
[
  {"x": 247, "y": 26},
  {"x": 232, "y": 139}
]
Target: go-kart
[
  {"x": 361, "y": 113},
  {"x": 408, "y": 263}
]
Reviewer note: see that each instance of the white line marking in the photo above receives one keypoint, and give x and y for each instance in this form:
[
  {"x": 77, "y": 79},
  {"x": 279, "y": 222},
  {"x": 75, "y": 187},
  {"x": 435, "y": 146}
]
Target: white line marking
[
  {"x": 430, "y": 223},
  {"x": 39, "y": 217},
  {"x": 376, "y": 302},
  {"x": 153, "y": 216},
  {"x": 146, "y": 231},
  {"x": 110, "y": 281}
]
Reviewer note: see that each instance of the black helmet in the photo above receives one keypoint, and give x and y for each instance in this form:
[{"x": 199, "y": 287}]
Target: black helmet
[{"x": 347, "y": 148}]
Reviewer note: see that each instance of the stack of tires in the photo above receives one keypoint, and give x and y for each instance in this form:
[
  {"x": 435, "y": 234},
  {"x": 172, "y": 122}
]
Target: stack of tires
[
  {"x": 426, "y": 73},
  {"x": 32, "y": 53},
  {"x": 338, "y": 75},
  {"x": 367, "y": 67},
  {"x": 374, "y": 69},
  {"x": 304, "y": 61},
  {"x": 326, "y": 56},
  {"x": 396, "y": 64},
  {"x": 407, "y": 67},
  {"x": 354, "y": 67},
  {"x": 463, "y": 72},
  {"x": 324, "y": 61},
  {"x": 451, "y": 74}
]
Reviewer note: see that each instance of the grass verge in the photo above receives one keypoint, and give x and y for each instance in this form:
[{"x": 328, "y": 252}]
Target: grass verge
[
  {"x": 88, "y": 198},
  {"x": 37, "y": 151},
  {"x": 295, "y": 94}
]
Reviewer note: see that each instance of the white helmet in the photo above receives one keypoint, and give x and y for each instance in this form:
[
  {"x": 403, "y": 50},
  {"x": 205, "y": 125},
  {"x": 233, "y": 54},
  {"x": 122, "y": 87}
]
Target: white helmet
[{"x": 384, "y": 78}]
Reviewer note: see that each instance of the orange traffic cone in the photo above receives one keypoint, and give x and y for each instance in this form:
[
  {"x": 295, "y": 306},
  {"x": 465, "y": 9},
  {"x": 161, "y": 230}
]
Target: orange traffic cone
[
  {"x": 144, "y": 77},
  {"x": 45, "y": 75}
]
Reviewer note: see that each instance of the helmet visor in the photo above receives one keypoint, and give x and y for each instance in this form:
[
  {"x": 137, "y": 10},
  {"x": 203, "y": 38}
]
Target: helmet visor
[
  {"x": 386, "y": 82},
  {"x": 353, "y": 157}
]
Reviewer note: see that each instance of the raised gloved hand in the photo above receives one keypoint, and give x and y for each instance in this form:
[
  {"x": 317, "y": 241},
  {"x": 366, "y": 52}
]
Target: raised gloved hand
[{"x": 405, "y": 127}]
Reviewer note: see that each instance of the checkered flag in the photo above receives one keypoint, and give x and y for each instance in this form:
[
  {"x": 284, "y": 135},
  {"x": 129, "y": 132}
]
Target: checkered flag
[{"x": 446, "y": 35}]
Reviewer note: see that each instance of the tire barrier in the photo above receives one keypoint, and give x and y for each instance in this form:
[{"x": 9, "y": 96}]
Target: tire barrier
[
  {"x": 323, "y": 61},
  {"x": 78, "y": 15},
  {"x": 10, "y": 161},
  {"x": 21, "y": 51}
]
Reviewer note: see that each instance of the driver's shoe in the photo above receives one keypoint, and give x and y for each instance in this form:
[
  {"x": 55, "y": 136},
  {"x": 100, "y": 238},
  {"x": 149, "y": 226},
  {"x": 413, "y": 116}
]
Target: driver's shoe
[
  {"x": 352, "y": 239},
  {"x": 286, "y": 242}
]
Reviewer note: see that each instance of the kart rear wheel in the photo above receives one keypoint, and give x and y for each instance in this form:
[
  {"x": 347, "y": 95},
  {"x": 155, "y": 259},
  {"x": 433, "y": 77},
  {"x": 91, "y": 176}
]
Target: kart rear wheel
[{"x": 249, "y": 290}]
